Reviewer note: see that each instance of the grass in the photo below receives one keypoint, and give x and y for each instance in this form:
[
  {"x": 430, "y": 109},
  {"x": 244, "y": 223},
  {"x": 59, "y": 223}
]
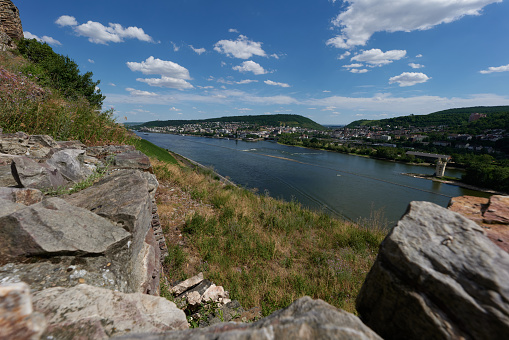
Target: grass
[
  {"x": 154, "y": 151},
  {"x": 268, "y": 252}
]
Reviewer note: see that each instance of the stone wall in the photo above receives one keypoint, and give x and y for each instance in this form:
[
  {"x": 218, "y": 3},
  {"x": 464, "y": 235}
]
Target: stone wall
[{"x": 10, "y": 24}]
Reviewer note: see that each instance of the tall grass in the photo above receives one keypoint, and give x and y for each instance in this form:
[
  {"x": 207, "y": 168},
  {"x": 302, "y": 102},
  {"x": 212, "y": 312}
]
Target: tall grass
[
  {"x": 268, "y": 252},
  {"x": 27, "y": 107}
]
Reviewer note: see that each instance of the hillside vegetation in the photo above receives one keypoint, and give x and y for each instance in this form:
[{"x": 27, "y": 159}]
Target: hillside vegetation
[
  {"x": 497, "y": 118},
  {"x": 260, "y": 120}
]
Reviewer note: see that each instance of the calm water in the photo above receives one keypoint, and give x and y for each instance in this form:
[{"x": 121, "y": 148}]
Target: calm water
[{"x": 342, "y": 185}]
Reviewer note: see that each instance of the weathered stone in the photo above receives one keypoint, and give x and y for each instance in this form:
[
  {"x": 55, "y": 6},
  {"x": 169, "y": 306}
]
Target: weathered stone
[
  {"x": 17, "y": 319},
  {"x": 214, "y": 293},
  {"x": 30, "y": 174},
  {"x": 437, "y": 276},
  {"x": 153, "y": 184},
  {"x": 14, "y": 143},
  {"x": 303, "y": 319},
  {"x": 87, "y": 312},
  {"x": 497, "y": 211},
  {"x": 132, "y": 160},
  {"x": 7, "y": 206},
  {"x": 471, "y": 207},
  {"x": 55, "y": 227},
  {"x": 70, "y": 163},
  {"x": 106, "y": 150},
  {"x": 23, "y": 196},
  {"x": 71, "y": 144},
  {"x": 185, "y": 285},
  {"x": 6, "y": 178},
  {"x": 123, "y": 198},
  {"x": 10, "y": 23},
  {"x": 149, "y": 260},
  {"x": 40, "y": 146}
]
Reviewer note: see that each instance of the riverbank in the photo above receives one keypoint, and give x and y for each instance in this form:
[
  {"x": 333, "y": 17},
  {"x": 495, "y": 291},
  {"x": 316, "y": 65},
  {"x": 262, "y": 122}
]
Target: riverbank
[{"x": 455, "y": 182}]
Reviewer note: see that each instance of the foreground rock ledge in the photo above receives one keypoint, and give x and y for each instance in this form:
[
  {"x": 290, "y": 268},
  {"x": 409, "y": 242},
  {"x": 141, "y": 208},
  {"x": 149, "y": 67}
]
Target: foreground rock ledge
[
  {"x": 437, "y": 276},
  {"x": 304, "y": 319}
]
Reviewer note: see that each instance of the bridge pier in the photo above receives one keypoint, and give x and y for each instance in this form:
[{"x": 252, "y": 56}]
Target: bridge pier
[{"x": 440, "y": 168}]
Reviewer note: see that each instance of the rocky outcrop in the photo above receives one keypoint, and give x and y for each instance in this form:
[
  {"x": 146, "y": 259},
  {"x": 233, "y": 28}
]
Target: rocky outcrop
[
  {"x": 492, "y": 214},
  {"x": 437, "y": 276},
  {"x": 10, "y": 25},
  {"x": 304, "y": 319}
]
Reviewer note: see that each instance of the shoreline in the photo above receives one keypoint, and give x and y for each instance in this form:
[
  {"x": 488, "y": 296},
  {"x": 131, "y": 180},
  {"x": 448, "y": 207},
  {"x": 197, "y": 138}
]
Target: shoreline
[{"x": 456, "y": 183}]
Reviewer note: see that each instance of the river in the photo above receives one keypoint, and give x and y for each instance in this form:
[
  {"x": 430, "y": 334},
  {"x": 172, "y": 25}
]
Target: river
[{"x": 347, "y": 186}]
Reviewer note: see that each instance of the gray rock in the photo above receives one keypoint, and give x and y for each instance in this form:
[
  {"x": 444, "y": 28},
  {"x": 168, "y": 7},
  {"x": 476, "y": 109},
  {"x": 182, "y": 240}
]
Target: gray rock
[
  {"x": 304, "y": 319},
  {"x": 132, "y": 160},
  {"x": 30, "y": 174},
  {"x": 70, "y": 163},
  {"x": 17, "y": 319},
  {"x": 23, "y": 196},
  {"x": 40, "y": 146},
  {"x": 187, "y": 284},
  {"x": 7, "y": 207},
  {"x": 437, "y": 276},
  {"x": 55, "y": 227},
  {"x": 87, "y": 312},
  {"x": 14, "y": 143},
  {"x": 153, "y": 184},
  {"x": 6, "y": 178}
]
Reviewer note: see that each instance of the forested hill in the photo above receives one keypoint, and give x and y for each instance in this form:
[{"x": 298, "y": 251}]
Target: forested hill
[
  {"x": 497, "y": 118},
  {"x": 261, "y": 120}
]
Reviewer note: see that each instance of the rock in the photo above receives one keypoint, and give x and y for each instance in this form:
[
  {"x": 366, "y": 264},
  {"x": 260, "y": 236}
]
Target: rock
[
  {"x": 30, "y": 174},
  {"x": 17, "y": 319},
  {"x": 153, "y": 184},
  {"x": 187, "y": 284},
  {"x": 54, "y": 227},
  {"x": 132, "y": 160},
  {"x": 6, "y": 178},
  {"x": 9, "y": 17},
  {"x": 7, "y": 206},
  {"x": 70, "y": 163},
  {"x": 14, "y": 143},
  {"x": 304, "y": 319},
  {"x": 40, "y": 146},
  {"x": 497, "y": 211},
  {"x": 214, "y": 293},
  {"x": 23, "y": 196},
  {"x": 87, "y": 312},
  {"x": 437, "y": 276},
  {"x": 471, "y": 207}
]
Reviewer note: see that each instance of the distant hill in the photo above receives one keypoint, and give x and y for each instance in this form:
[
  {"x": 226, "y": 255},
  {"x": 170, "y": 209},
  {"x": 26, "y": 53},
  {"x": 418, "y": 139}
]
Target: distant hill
[
  {"x": 260, "y": 120},
  {"x": 496, "y": 115}
]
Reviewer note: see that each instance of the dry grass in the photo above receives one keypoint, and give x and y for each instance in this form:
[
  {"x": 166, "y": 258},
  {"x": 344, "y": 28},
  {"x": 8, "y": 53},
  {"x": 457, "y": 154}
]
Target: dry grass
[{"x": 266, "y": 252}]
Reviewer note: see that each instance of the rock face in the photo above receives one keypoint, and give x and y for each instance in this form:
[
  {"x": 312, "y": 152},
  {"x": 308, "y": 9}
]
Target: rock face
[
  {"x": 10, "y": 24},
  {"x": 437, "y": 276},
  {"x": 304, "y": 319},
  {"x": 86, "y": 312}
]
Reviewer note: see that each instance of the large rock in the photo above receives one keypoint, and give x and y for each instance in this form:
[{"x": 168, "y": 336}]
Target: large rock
[
  {"x": 54, "y": 227},
  {"x": 9, "y": 18},
  {"x": 30, "y": 174},
  {"x": 23, "y": 196},
  {"x": 86, "y": 312},
  {"x": 123, "y": 198},
  {"x": 17, "y": 318},
  {"x": 71, "y": 164},
  {"x": 303, "y": 319},
  {"x": 497, "y": 211},
  {"x": 132, "y": 160},
  {"x": 437, "y": 276}
]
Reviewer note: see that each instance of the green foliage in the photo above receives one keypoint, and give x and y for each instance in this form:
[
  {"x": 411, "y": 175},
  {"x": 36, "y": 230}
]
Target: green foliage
[
  {"x": 59, "y": 72},
  {"x": 152, "y": 150}
]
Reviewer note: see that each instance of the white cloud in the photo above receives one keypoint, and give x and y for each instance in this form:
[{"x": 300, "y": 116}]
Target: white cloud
[
  {"x": 344, "y": 55},
  {"x": 135, "y": 92},
  {"x": 174, "y": 109},
  {"x": 198, "y": 50},
  {"x": 250, "y": 66},
  {"x": 240, "y": 82},
  {"x": 270, "y": 82},
  {"x": 362, "y": 18},
  {"x": 175, "y": 47},
  {"x": 409, "y": 79},
  {"x": 233, "y": 30},
  {"x": 91, "y": 61},
  {"x": 356, "y": 70},
  {"x": 353, "y": 65},
  {"x": 172, "y": 74},
  {"x": 66, "y": 20},
  {"x": 412, "y": 65},
  {"x": 112, "y": 84},
  {"x": 419, "y": 56},
  {"x": 97, "y": 33},
  {"x": 492, "y": 69},
  {"x": 376, "y": 57},
  {"x": 242, "y": 48},
  {"x": 44, "y": 39}
]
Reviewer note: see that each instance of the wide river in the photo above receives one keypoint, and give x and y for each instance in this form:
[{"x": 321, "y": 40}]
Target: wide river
[{"x": 342, "y": 185}]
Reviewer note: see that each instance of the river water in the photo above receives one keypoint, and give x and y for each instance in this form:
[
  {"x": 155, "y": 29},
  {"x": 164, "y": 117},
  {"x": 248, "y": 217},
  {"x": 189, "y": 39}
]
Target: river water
[{"x": 342, "y": 185}]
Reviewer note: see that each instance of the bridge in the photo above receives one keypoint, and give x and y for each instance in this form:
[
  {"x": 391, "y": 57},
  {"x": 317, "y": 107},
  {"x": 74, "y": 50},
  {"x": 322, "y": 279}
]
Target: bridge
[{"x": 441, "y": 160}]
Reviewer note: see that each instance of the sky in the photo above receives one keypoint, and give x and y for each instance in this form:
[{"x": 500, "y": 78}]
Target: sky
[{"x": 332, "y": 61}]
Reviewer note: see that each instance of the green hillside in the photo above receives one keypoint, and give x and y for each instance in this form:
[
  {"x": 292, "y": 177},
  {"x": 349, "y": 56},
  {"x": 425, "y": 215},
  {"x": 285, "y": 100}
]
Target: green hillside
[
  {"x": 452, "y": 118},
  {"x": 260, "y": 120}
]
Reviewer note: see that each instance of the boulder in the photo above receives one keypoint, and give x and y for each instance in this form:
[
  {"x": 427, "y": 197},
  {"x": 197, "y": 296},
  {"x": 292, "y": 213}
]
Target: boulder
[
  {"x": 497, "y": 211},
  {"x": 303, "y": 319},
  {"x": 70, "y": 163},
  {"x": 7, "y": 207},
  {"x": 30, "y": 174},
  {"x": 86, "y": 312},
  {"x": 187, "y": 284},
  {"x": 23, "y": 196},
  {"x": 6, "y": 178},
  {"x": 132, "y": 160},
  {"x": 437, "y": 276},
  {"x": 54, "y": 227},
  {"x": 17, "y": 318}
]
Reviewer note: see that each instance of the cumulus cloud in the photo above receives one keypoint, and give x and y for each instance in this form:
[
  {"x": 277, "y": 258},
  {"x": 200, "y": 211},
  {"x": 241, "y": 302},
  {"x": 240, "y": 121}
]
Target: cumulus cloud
[
  {"x": 233, "y": 30},
  {"x": 409, "y": 79},
  {"x": 172, "y": 74},
  {"x": 362, "y": 18},
  {"x": 356, "y": 70},
  {"x": 135, "y": 92},
  {"x": 198, "y": 50},
  {"x": 274, "y": 83},
  {"x": 492, "y": 69},
  {"x": 344, "y": 55},
  {"x": 242, "y": 48},
  {"x": 44, "y": 39},
  {"x": 376, "y": 57},
  {"x": 97, "y": 33},
  {"x": 250, "y": 66},
  {"x": 413, "y": 65},
  {"x": 91, "y": 61},
  {"x": 353, "y": 65}
]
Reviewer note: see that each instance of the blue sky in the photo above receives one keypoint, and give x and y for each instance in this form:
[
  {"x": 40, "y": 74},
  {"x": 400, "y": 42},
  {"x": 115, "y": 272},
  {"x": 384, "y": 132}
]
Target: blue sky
[{"x": 332, "y": 61}]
